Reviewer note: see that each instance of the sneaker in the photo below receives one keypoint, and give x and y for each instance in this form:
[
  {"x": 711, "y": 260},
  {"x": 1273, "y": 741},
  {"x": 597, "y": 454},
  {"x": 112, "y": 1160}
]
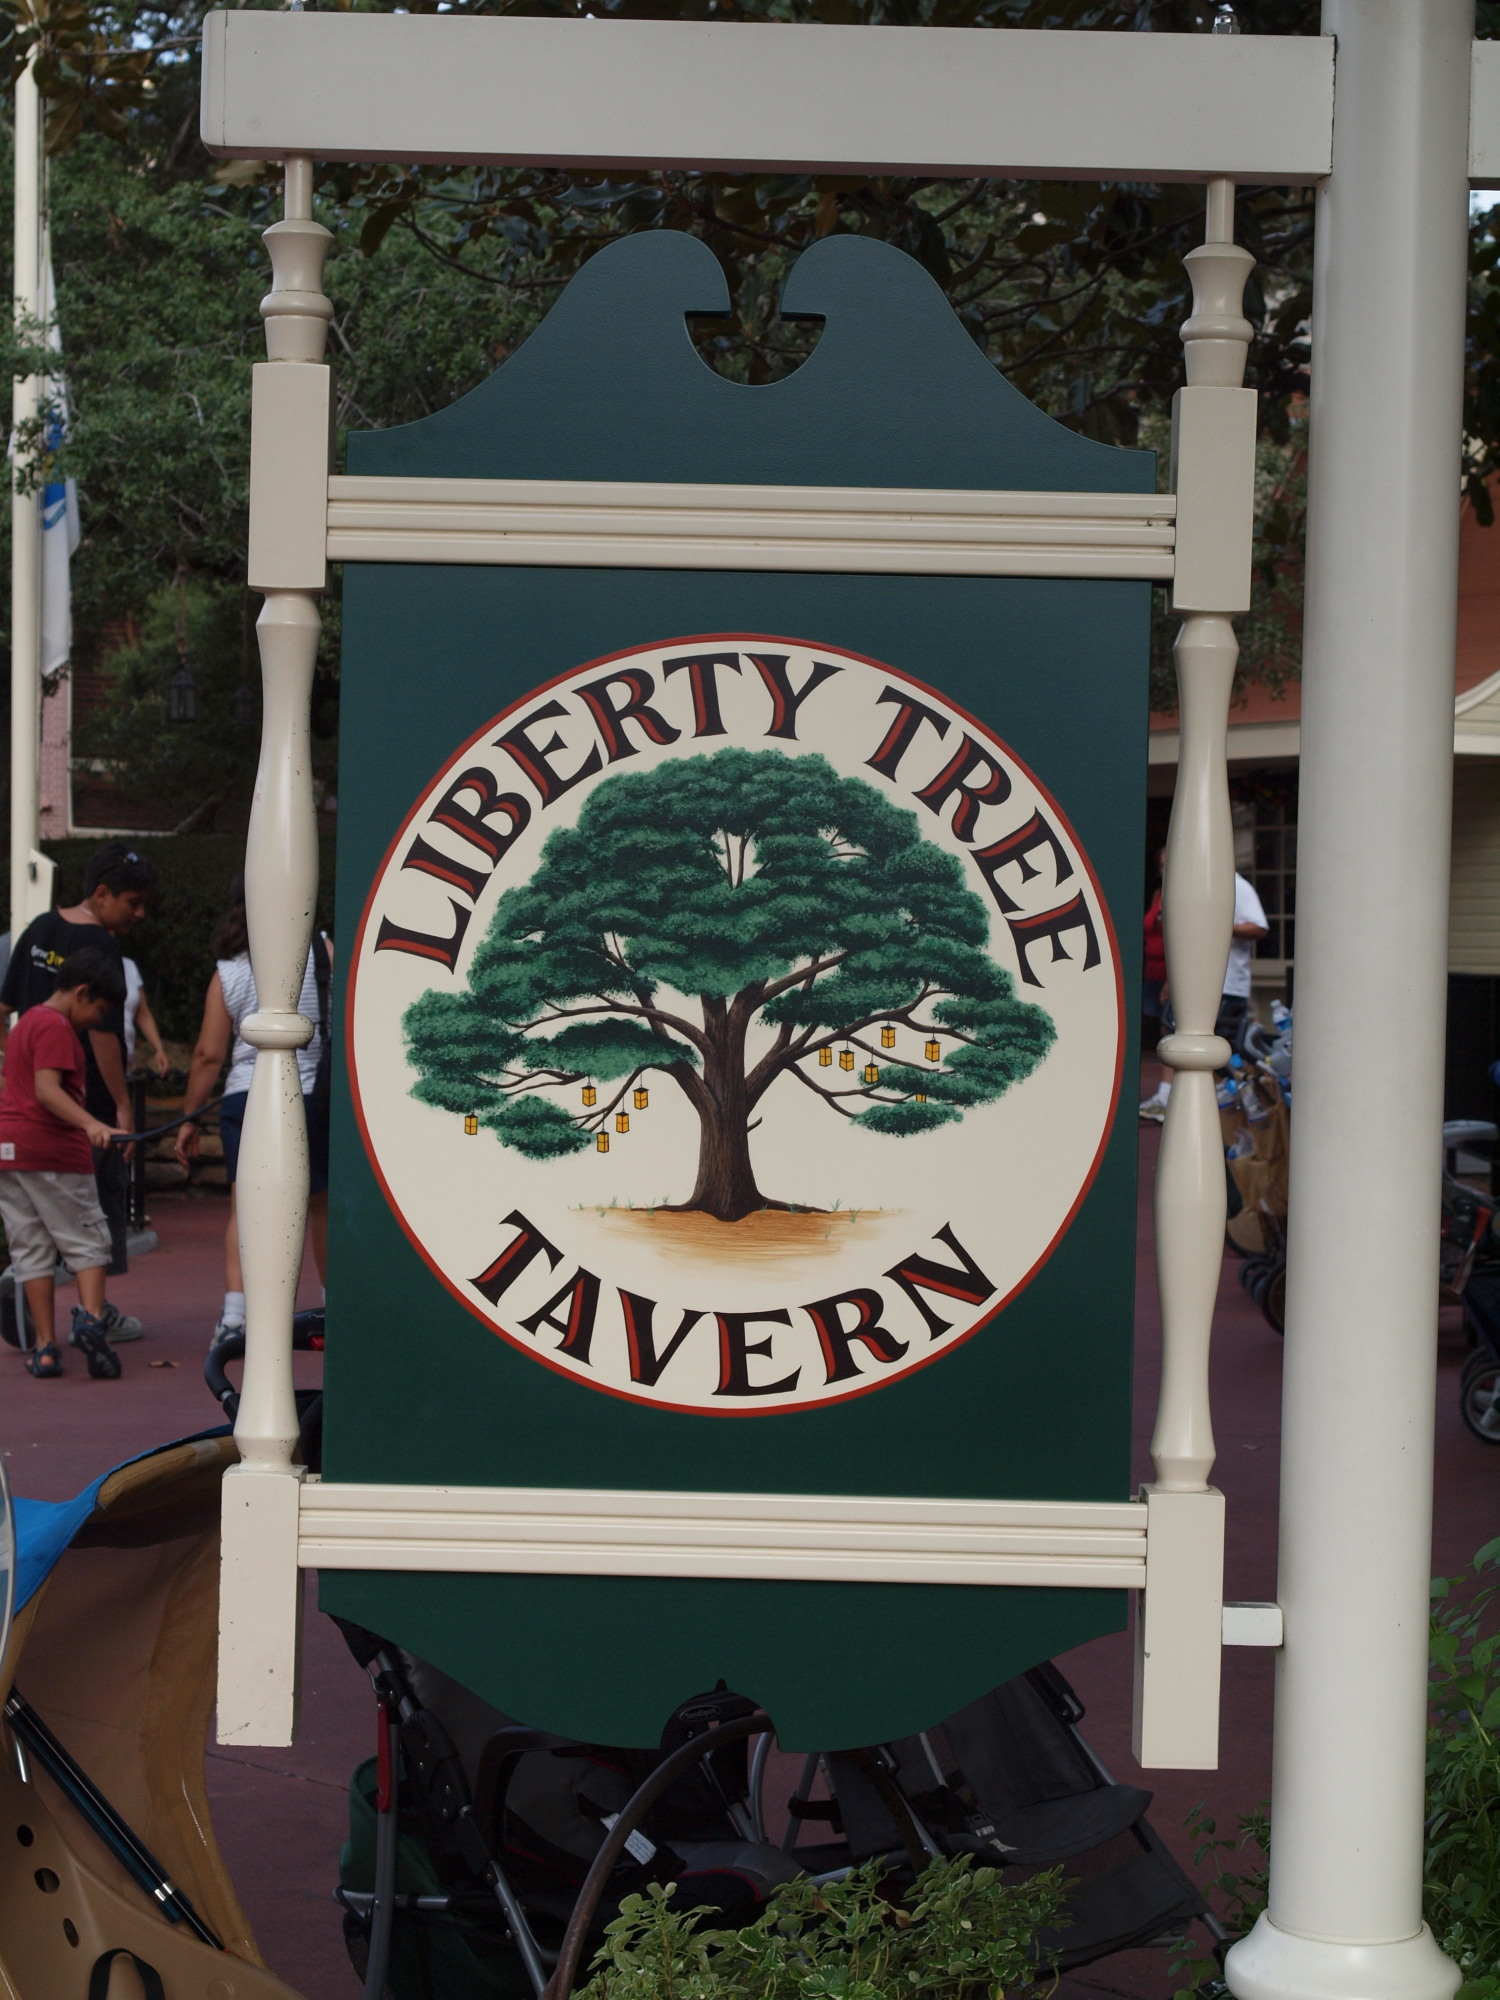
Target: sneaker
[
  {"x": 225, "y": 1330},
  {"x": 88, "y": 1334},
  {"x": 1154, "y": 1109},
  {"x": 118, "y": 1326}
]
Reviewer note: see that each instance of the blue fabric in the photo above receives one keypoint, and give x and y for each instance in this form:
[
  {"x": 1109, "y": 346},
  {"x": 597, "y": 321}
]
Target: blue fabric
[{"x": 45, "y": 1528}]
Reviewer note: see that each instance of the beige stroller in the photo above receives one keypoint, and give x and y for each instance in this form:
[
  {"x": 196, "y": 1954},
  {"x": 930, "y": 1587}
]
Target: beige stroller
[{"x": 112, "y": 1886}]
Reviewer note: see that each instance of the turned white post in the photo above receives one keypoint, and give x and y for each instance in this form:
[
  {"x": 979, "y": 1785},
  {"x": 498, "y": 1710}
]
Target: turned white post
[
  {"x": 1347, "y": 1807},
  {"x": 261, "y": 1586},
  {"x": 25, "y": 515},
  {"x": 1197, "y": 917},
  {"x": 1213, "y": 454}
]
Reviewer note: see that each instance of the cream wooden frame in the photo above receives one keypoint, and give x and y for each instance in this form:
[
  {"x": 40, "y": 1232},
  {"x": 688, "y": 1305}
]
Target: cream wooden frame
[
  {"x": 1169, "y": 1544},
  {"x": 1096, "y": 1545},
  {"x": 1022, "y": 104},
  {"x": 884, "y": 531}
]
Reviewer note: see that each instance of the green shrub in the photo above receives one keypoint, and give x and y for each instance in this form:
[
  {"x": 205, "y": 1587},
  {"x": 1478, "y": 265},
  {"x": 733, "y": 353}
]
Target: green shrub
[
  {"x": 172, "y": 945},
  {"x": 1462, "y": 1870},
  {"x": 959, "y": 1934}
]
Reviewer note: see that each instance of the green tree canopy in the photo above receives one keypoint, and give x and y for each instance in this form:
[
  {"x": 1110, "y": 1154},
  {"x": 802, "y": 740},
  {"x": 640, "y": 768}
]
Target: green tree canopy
[
  {"x": 1075, "y": 290},
  {"x": 696, "y": 904}
]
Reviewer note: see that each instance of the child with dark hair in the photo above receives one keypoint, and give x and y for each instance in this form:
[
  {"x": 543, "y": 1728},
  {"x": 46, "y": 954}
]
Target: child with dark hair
[
  {"x": 48, "y": 1200},
  {"x": 118, "y": 883}
]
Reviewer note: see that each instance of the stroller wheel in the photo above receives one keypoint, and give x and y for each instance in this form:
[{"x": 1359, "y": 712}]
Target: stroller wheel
[
  {"x": 1272, "y": 1299},
  {"x": 1479, "y": 1397},
  {"x": 15, "y": 1315},
  {"x": 1250, "y": 1272}
]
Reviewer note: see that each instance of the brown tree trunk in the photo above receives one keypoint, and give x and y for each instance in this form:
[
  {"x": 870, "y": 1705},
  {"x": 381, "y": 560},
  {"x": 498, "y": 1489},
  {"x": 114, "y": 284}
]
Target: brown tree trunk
[
  {"x": 726, "y": 1179},
  {"x": 720, "y": 1093},
  {"x": 725, "y": 1186}
]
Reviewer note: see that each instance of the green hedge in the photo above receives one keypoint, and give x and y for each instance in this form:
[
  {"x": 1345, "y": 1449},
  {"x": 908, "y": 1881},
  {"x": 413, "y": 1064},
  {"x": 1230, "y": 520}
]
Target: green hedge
[{"x": 171, "y": 947}]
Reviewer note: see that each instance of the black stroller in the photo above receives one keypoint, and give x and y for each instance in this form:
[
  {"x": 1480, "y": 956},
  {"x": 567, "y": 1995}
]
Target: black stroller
[
  {"x": 486, "y": 1858},
  {"x": 1471, "y": 1273}
]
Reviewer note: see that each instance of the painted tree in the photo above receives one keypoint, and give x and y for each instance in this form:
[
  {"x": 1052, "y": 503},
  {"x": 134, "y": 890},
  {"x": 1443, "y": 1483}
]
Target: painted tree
[{"x": 729, "y": 921}]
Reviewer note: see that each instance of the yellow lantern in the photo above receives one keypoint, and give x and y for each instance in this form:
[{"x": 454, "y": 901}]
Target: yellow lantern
[
  {"x": 888, "y": 1037},
  {"x": 872, "y": 1072},
  {"x": 642, "y": 1098},
  {"x": 471, "y": 1124},
  {"x": 590, "y": 1095},
  {"x": 601, "y": 1144},
  {"x": 846, "y": 1058},
  {"x": 921, "y": 1097},
  {"x": 825, "y": 1058},
  {"x": 622, "y": 1121},
  {"x": 934, "y": 1050}
]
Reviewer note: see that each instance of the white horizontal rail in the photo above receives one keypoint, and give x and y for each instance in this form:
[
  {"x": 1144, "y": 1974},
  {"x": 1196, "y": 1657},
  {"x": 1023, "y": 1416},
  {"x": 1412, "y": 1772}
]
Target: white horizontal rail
[
  {"x": 1484, "y": 116},
  {"x": 1253, "y": 1625},
  {"x": 595, "y": 523},
  {"x": 1019, "y": 103},
  {"x": 580, "y": 1532}
]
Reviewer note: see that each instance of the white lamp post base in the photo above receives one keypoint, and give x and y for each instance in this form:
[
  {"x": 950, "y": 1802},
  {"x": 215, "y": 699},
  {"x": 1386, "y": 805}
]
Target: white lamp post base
[{"x": 1273, "y": 1964}]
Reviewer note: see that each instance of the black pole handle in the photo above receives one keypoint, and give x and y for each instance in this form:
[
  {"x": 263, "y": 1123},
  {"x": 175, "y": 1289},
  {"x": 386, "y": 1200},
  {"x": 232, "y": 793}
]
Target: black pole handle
[
  {"x": 561, "y": 1984},
  {"x": 156, "y": 1131}
]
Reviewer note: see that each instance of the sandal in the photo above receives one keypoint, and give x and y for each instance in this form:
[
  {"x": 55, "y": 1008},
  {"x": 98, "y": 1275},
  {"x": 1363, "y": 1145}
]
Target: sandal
[
  {"x": 88, "y": 1334},
  {"x": 44, "y": 1362}
]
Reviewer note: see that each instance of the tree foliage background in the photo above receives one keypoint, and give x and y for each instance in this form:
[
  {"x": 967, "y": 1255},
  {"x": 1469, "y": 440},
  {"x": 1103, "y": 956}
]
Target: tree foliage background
[{"x": 1076, "y": 291}]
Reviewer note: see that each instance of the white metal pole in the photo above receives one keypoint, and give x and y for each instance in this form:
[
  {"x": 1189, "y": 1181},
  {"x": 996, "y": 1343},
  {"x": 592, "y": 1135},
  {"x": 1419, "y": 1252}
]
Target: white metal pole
[
  {"x": 1345, "y": 1917},
  {"x": 25, "y": 516}
]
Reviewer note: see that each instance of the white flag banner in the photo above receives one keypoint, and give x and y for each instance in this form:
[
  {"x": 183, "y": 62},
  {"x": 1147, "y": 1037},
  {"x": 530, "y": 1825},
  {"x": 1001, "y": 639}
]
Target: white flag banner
[{"x": 60, "y": 530}]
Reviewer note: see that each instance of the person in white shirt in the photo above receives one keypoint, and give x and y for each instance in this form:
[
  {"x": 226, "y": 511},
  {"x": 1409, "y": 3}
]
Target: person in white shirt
[
  {"x": 230, "y": 997},
  {"x": 140, "y": 1022},
  {"x": 1249, "y": 926}
]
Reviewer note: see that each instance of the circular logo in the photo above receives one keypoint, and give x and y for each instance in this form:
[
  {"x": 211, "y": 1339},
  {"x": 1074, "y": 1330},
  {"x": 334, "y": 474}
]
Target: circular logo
[{"x": 735, "y": 1025}]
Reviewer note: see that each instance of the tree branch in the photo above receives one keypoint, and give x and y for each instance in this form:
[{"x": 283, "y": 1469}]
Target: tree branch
[
  {"x": 829, "y": 1096},
  {"x": 804, "y": 977},
  {"x": 654, "y": 1015},
  {"x": 787, "y": 1056}
]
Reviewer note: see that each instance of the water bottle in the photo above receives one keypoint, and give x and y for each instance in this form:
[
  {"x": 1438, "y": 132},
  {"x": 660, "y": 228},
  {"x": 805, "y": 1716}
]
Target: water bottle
[
  {"x": 1251, "y": 1102},
  {"x": 1226, "y": 1096},
  {"x": 1281, "y": 1016}
]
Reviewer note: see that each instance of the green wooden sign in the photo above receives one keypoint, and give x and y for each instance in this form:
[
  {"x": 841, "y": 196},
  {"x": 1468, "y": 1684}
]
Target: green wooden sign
[{"x": 740, "y": 976}]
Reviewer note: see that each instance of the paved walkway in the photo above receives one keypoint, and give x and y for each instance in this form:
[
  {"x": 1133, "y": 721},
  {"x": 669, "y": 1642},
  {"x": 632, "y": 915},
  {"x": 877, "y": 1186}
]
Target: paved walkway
[{"x": 281, "y": 1814}]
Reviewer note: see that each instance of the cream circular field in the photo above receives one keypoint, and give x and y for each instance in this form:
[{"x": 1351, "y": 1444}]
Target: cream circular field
[{"x": 860, "y": 1123}]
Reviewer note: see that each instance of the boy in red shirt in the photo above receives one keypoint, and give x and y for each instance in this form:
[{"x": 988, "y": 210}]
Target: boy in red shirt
[{"x": 48, "y": 1200}]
